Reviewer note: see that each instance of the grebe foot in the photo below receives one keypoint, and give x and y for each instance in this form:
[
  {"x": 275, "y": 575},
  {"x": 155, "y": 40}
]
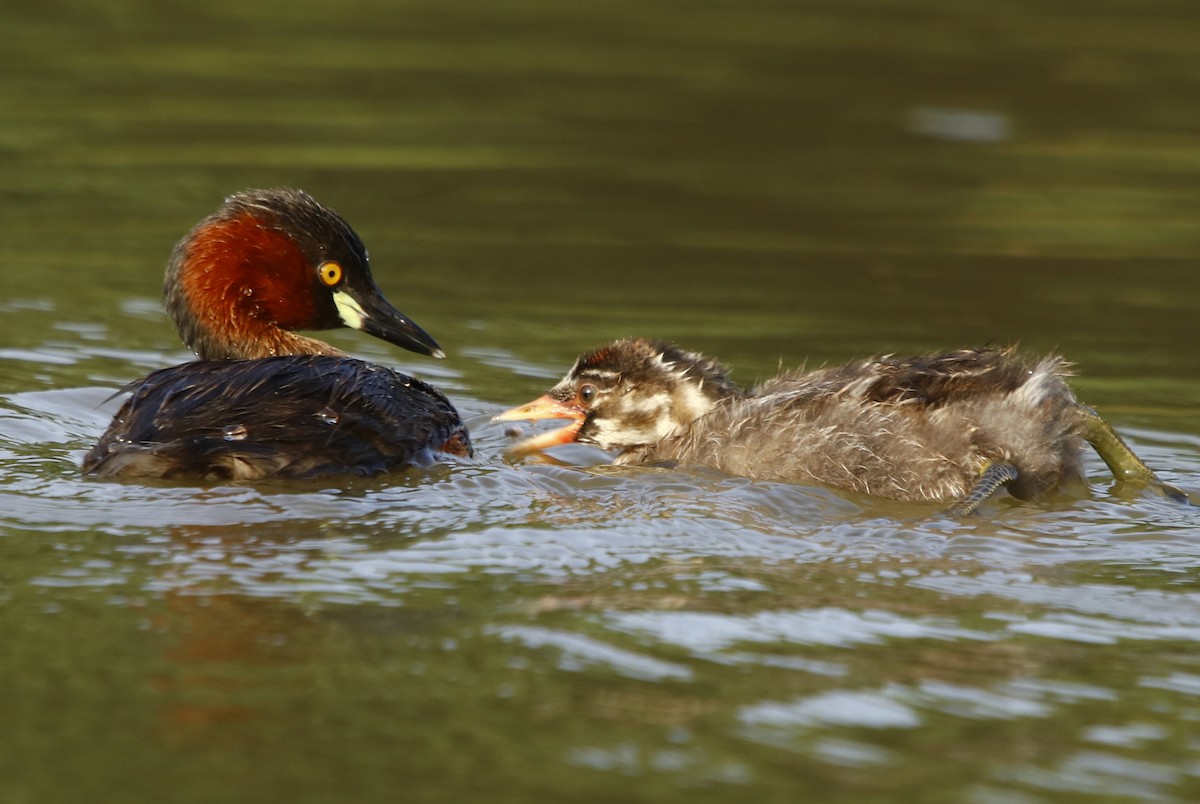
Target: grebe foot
[
  {"x": 1121, "y": 460},
  {"x": 993, "y": 476}
]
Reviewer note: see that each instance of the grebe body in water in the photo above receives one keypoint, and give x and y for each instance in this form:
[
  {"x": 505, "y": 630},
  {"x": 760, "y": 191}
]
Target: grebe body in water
[
  {"x": 951, "y": 428},
  {"x": 264, "y": 400}
]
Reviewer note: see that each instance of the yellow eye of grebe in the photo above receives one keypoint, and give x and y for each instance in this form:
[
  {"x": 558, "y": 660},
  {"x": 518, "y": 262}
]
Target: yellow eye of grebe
[{"x": 330, "y": 273}]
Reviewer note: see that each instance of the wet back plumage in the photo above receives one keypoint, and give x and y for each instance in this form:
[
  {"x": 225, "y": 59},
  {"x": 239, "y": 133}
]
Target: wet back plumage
[{"x": 294, "y": 416}]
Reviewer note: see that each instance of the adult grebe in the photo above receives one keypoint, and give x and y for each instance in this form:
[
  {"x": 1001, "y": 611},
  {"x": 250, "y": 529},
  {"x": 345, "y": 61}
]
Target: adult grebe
[
  {"x": 263, "y": 400},
  {"x": 952, "y": 428}
]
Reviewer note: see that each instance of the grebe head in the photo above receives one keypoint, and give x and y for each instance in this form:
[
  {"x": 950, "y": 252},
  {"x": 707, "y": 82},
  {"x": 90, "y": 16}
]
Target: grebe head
[
  {"x": 270, "y": 262},
  {"x": 628, "y": 394}
]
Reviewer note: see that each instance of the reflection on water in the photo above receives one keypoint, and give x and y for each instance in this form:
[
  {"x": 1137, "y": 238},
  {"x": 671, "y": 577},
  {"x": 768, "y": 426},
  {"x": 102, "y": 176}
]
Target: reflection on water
[
  {"x": 650, "y": 624},
  {"x": 768, "y": 183}
]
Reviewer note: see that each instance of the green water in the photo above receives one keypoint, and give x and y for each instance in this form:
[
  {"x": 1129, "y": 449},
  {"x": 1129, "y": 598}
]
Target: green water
[{"x": 768, "y": 182}]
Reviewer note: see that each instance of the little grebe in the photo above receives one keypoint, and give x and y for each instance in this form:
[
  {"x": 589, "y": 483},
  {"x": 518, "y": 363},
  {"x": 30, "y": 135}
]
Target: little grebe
[
  {"x": 264, "y": 401},
  {"x": 951, "y": 428}
]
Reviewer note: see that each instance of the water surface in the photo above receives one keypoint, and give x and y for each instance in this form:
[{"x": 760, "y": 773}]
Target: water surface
[{"x": 771, "y": 183}]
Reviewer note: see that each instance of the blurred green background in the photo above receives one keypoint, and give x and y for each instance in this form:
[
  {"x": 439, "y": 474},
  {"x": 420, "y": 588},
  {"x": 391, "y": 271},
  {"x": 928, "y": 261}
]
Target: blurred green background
[{"x": 761, "y": 179}]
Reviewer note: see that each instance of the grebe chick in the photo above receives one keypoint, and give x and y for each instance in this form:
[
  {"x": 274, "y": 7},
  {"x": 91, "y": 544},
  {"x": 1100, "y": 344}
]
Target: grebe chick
[
  {"x": 264, "y": 400},
  {"x": 950, "y": 428}
]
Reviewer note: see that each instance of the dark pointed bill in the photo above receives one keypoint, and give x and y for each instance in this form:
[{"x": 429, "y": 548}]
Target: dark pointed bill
[{"x": 373, "y": 315}]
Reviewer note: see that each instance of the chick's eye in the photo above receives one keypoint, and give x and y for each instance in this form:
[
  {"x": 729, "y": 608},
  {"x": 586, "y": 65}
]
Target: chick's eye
[
  {"x": 586, "y": 394},
  {"x": 330, "y": 274}
]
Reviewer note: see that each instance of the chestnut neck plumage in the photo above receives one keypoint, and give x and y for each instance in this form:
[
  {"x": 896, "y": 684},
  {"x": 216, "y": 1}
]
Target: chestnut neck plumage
[{"x": 244, "y": 278}]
